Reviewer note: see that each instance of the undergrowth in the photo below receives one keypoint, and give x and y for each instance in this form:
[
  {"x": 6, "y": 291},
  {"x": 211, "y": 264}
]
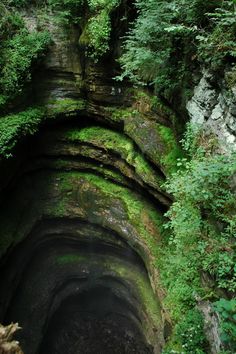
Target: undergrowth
[{"x": 203, "y": 227}]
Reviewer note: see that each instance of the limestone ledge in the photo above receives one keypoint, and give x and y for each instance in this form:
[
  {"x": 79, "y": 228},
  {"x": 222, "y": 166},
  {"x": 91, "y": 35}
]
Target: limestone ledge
[{"x": 214, "y": 107}]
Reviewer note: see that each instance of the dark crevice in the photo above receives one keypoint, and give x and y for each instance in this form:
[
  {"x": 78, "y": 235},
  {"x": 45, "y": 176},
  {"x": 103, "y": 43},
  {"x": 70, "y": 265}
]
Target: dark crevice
[
  {"x": 105, "y": 301},
  {"x": 18, "y": 259},
  {"x": 142, "y": 188},
  {"x": 66, "y": 280},
  {"x": 99, "y": 333}
]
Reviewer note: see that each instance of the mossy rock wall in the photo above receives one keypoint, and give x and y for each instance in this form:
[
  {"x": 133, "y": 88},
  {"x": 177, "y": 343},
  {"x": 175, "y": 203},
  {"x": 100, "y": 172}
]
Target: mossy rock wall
[{"x": 82, "y": 197}]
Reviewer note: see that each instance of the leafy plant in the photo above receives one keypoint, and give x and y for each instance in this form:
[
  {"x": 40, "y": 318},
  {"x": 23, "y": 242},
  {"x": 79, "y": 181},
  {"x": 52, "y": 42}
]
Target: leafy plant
[
  {"x": 18, "y": 125},
  {"x": 219, "y": 44},
  {"x": 190, "y": 332},
  {"x": 96, "y": 5},
  {"x": 10, "y": 22},
  {"x": 95, "y": 25},
  {"x": 203, "y": 227},
  {"x": 170, "y": 38},
  {"x": 98, "y": 33},
  {"x": 227, "y": 312},
  {"x": 19, "y": 51},
  {"x": 67, "y": 10},
  {"x": 202, "y": 191},
  {"x": 17, "y": 58}
]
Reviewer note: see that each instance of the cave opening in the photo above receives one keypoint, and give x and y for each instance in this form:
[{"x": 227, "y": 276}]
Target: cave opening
[
  {"x": 95, "y": 321},
  {"x": 78, "y": 275},
  {"x": 75, "y": 287}
]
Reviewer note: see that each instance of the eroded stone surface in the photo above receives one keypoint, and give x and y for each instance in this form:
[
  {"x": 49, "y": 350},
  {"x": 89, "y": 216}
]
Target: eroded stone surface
[
  {"x": 63, "y": 192},
  {"x": 215, "y": 109},
  {"x": 83, "y": 212}
]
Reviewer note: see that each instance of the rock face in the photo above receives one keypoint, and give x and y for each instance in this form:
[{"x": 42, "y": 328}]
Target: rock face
[
  {"x": 82, "y": 207},
  {"x": 83, "y": 203},
  {"x": 80, "y": 230},
  {"x": 214, "y": 106}
]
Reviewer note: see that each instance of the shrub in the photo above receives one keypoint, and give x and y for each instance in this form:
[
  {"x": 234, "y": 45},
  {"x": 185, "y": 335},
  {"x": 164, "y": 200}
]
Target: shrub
[
  {"x": 95, "y": 26},
  {"x": 18, "y": 56},
  {"x": 190, "y": 333},
  {"x": 227, "y": 312},
  {"x": 170, "y": 38},
  {"x": 18, "y": 125},
  {"x": 202, "y": 217}
]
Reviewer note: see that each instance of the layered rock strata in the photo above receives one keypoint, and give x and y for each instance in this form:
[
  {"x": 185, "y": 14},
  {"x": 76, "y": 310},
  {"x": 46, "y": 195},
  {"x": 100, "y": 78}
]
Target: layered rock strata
[{"x": 82, "y": 208}]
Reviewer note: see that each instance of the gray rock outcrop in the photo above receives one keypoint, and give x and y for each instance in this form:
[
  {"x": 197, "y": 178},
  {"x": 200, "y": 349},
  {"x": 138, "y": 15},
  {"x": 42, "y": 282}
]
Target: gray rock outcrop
[{"x": 214, "y": 106}]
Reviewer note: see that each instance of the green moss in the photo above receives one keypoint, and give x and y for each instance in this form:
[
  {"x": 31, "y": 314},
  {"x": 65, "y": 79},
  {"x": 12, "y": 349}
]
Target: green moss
[
  {"x": 84, "y": 37},
  {"x": 118, "y": 114},
  {"x": 68, "y": 258},
  {"x": 57, "y": 196},
  {"x": 150, "y": 103},
  {"x": 109, "y": 139},
  {"x": 65, "y": 106},
  {"x": 172, "y": 151},
  {"x": 115, "y": 141},
  {"x": 123, "y": 270},
  {"x": 103, "y": 170},
  {"x": 157, "y": 141},
  {"x": 15, "y": 126},
  {"x": 144, "y": 290},
  {"x": 141, "y": 214}
]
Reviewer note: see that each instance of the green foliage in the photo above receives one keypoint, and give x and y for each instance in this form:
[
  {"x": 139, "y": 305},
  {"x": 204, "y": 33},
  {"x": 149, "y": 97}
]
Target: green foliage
[
  {"x": 203, "y": 228},
  {"x": 19, "y": 51},
  {"x": 98, "y": 28},
  {"x": 15, "y": 126},
  {"x": 157, "y": 37},
  {"x": 180, "y": 276},
  {"x": 173, "y": 151},
  {"x": 95, "y": 25},
  {"x": 67, "y": 10},
  {"x": 96, "y": 5},
  {"x": 190, "y": 333},
  {"x": 98, "y": 32},
  {"x": 227, "y": 312},
  {"x": 18, "y": 3},
  {"x": 219, "y": 44},
  {"x": 92, "y": 16},
  {"x": 10, "y": 22},
  {"x": 203, "y": 194},
  {"x": 198, "y": 10},
  {"x": 168, "y": 37},
  {"x": 17, "y": 58}
]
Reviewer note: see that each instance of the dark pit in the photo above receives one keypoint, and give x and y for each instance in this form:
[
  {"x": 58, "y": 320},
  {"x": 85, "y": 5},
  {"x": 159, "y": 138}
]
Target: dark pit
[
  {"x": 77, "y": 269},
  {"x": 96, "y": 321}
]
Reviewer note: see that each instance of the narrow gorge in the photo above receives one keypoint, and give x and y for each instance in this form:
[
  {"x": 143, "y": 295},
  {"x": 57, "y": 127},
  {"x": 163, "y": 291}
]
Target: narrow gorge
[{"x": 92, "y": 258}]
